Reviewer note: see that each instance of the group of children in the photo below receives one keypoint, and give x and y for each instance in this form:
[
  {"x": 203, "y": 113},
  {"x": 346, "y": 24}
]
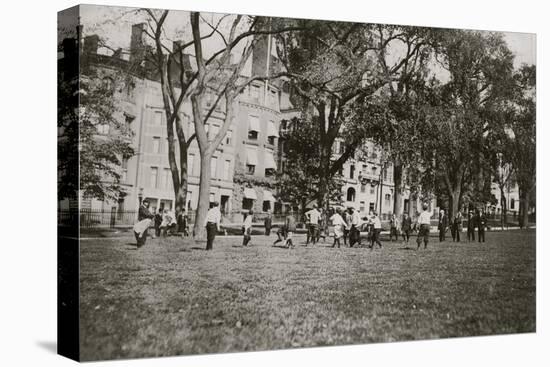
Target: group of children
[{"x": 347, "y": 225}]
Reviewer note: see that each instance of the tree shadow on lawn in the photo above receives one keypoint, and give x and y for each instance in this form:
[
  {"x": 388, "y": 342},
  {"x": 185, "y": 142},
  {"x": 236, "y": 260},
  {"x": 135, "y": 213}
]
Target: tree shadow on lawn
[{"x": 130, "y": 247}]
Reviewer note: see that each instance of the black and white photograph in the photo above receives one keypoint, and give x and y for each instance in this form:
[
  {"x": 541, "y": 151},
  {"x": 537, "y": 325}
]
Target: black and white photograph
[{"x": 232, "y": 182}]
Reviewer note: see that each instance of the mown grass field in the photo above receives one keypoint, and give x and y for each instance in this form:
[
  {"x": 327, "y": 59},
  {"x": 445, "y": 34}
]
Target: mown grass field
[{"x": 171, "y": 297}]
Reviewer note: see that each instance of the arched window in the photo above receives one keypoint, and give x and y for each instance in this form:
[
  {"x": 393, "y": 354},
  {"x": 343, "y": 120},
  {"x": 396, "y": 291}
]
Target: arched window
[{"x": 350, "y": 194}]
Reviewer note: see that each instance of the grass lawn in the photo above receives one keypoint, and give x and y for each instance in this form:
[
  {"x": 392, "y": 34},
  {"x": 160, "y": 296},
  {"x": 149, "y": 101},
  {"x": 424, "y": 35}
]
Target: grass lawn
[{"x": 171, "y": 297}]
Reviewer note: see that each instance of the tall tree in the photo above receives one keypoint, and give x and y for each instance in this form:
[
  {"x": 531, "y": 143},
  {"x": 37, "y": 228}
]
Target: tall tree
[
  {"x": 401, "y": 98},
  {"x": 523, "y": 134},
  {"x": 221, "y": 76},
  {"x": 214, "y": 75},
  {"x": 479, "y": 67},
  {"x": 298, "y": 183},
  {"x": 331, "y": 64}
]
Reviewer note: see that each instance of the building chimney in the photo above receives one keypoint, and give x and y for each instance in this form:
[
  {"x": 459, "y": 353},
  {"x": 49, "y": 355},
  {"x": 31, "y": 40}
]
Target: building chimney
[
  {"x": 137, "y": 44},
  {"x": 90, "y": 44}
]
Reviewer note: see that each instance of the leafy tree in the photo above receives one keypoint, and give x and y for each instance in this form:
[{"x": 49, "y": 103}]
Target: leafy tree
[
  {"x": 331, "y": 65},
  {"x": 463, "y": 111},
  {"x": 299, "y": 181},
  {"x": 523, "y": 135},
  {"x": 99, "y": 131}
]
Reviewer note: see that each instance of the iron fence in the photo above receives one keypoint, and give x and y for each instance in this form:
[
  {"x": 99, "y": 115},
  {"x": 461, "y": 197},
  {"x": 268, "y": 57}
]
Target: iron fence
[{"x": 99, "y": 218}]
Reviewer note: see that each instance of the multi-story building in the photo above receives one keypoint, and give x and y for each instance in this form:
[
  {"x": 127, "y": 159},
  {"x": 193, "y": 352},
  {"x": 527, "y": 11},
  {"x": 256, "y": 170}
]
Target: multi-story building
[{"x": 244, "y": 165}]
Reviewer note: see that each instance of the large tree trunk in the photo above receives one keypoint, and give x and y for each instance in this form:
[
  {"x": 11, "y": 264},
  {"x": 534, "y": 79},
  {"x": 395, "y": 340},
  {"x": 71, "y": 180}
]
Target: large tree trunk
[
  {"x": 324, "y": 176},
  {"x": 181, "y": 190},
  {"x": 503, "y": 205},
  {"x": 524, "y": 208},
  {"x": 204, "y": 197},
  {"x": 398, "y": 188},
  {"x": 454, "y": 199}
]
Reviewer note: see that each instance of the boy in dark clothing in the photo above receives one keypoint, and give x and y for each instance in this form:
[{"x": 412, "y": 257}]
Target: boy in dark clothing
[
  {"x": 406, "y": 227},
  {"x": 471, "y": 226},
  {"x": 158, "y": 221},
  {"x": 442, "y": 226},
  {"x": 143, "y": 213},
  {"x": 481, "y": 224},
  {"x": 290, "y": 225}
]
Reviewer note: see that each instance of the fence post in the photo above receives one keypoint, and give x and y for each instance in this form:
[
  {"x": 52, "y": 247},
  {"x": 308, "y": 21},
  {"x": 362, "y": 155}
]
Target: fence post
[{"x": 113, "y": 217}]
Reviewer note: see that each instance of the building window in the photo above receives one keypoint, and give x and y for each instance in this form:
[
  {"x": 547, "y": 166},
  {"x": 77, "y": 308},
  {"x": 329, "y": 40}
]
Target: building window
[
  {"x": 255, "y": 93},
  {"x": 252, "y": 135},
  {"x": 350, "y": 194},
  {"x": 102, "y": 129},
  {"x": 226, "y": 170},
  {"x": 372, "y": 190},
  {"x": 251, "y": 160},
  {"x": 341, "y": 148},
  {"x": 247, "y": 203},
  {"x": 271, "y": 140},
  {"x": 156, "y": 145},
  {"x": 165, "y": 181},
  {"x": 157, "y": 118},
  {"x": 253, "y": 127},
  {"x": 266, "y": 206},
  {"x": 228, "y": 137},
  {"x": 269, "y": 172},
  {"x": 213, "y": 167},
  {"x": 273, "y": 100},
  {"x": 512, "y": 204},
  {"x": 363, "y": 188},
  {"x": 387, "y": 198},
  {"x": 154, "y": 177},
  {"x": 374, "y": 171},
  {"x": 190, "y": 163},
  {"x": 362, "y": 206},
  {"x": 385, "y": 174},
  {"x": 124, "y": 174},
  {"x": 351, "y": 171},
  {"x": 213, "y": 132},
  {"x": 371, "y": 207}
]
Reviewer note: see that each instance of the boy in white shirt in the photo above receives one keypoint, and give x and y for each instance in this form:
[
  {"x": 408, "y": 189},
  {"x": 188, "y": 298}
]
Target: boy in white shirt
[
  {"x": 339, "y": 226},
  {"x": 424, "y": 227},
  {"x": 247, "y": 228},
  {"x": 377, "y": 224}
]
